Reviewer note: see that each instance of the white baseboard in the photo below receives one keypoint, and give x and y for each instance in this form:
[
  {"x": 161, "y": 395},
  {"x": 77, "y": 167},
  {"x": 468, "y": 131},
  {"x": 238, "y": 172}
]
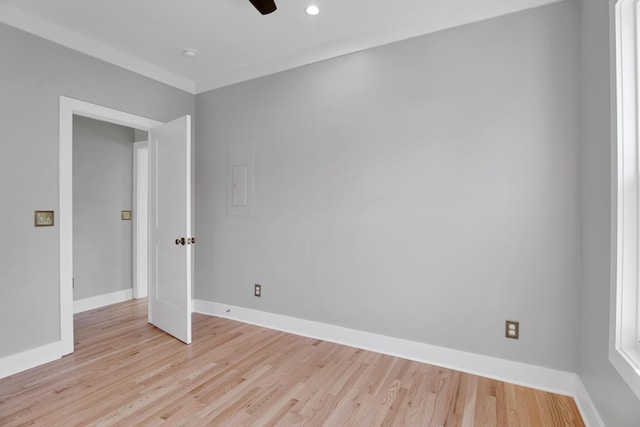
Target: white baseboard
[
  {"x": 19, "y": 362},
  {"x": 587, "y": 409},
  {"x": 552, "y": 380},
  {"x": 102, "y": 300}
]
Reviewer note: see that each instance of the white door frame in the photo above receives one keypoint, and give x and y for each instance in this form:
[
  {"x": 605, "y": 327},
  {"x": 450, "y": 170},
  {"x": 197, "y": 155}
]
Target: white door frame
[
  {"x": 140, "y": 218},
  {"x": 68, "y": 108}
]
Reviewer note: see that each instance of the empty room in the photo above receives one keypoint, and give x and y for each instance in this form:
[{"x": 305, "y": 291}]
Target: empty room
[{"x": 321, "y": 213}]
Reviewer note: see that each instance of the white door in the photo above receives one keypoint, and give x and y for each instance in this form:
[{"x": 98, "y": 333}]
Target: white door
[{"x": 170, "y": 236}]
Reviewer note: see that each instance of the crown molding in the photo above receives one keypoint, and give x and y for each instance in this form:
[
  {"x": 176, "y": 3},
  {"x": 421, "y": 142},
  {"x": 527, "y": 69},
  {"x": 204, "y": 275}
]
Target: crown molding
[
  {"x": 360, "y": 42},
  {"x": 31, "y": 24},
  {"x": 444, "y": 17}
]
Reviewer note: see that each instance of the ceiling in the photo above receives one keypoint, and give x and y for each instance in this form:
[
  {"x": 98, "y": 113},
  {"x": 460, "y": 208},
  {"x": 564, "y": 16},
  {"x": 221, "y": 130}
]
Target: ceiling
[{"x": 236, "y": 43}]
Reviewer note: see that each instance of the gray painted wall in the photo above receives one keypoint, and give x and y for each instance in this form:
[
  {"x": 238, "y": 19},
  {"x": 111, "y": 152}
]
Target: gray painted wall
[
  {"x": 617, "y": 404},
  {"x": 426, "y": 189},
  {"x": 102, "y": 188},
  {"x": 33, "y": 74},
  {"x": 139, "y": 135}
]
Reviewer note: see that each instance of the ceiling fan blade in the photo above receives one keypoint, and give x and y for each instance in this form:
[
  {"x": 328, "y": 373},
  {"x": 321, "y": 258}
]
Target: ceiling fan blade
[{"x": 265, "y": 7}]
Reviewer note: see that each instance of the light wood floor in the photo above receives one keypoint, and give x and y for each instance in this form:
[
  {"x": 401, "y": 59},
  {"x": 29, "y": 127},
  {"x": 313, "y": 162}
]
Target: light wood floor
[{"x": 125, "y": 372}]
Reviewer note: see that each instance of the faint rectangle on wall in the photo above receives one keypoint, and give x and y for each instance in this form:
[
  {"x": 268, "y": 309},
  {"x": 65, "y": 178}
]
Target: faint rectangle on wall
[
  {"x": 239, "y": 186},
  {"x": 240, "y": 178}
]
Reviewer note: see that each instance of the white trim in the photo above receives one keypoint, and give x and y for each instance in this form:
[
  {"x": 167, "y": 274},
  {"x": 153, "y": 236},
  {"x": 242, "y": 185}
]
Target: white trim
[
  {"x": 102, "y": 300},
  {"x": 68, "y": 108},
  {"x": 19, "y": 362},
  {"x": 587, "y": 408},
  {"x": 32, "y": 24},
  {"x": 363, "y": 41},
  {"x": 552, "y": 380},
  {"x": 140, "y": 218},
  {"x": 625, "y": 217}
]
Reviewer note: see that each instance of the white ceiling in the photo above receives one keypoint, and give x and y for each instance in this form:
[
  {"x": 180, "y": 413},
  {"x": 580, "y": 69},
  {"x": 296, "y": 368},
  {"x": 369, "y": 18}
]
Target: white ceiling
[{"x": 235, "y": 42}]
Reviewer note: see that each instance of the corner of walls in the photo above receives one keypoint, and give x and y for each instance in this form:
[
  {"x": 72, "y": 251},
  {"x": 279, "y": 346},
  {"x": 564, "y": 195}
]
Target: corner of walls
[
  {"x": 587, "y": 408},
  {"x": 612, "y": 398},
  {"x": 552, "y": 380}
]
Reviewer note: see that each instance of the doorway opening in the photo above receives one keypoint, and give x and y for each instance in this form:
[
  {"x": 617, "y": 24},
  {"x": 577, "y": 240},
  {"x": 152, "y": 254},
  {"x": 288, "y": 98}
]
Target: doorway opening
[
  {"x": 110, "y": 235},
  {"x": 68, "y": 108}
]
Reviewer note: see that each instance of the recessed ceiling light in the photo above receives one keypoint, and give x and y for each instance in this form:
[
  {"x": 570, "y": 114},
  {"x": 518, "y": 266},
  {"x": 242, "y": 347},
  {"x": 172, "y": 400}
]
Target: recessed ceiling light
[
  {"x": 189, "y": 53},
  {"x": 312, "y": 10}
]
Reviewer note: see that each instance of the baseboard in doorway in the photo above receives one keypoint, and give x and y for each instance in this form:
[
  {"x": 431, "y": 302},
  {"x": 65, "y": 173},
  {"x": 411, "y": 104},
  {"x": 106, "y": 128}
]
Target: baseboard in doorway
[{"x": 102, "y": 300}]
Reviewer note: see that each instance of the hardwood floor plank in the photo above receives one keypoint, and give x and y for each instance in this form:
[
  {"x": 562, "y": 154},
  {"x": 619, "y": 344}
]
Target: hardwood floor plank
[{"x": 126, "y": 372}]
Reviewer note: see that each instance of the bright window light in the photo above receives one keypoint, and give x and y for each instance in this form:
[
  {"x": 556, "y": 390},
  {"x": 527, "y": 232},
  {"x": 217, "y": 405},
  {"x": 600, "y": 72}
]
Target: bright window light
[{"x": 624, "y": 351}]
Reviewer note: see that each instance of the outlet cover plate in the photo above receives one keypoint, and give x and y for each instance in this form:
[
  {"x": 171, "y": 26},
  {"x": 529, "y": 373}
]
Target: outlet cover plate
[{"x": 512, "y": 329}]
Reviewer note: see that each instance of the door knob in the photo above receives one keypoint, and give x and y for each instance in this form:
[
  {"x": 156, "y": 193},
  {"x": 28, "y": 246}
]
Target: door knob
[
  {"x": 181, "y": 241},
  {"x": 191, "y": 241}
]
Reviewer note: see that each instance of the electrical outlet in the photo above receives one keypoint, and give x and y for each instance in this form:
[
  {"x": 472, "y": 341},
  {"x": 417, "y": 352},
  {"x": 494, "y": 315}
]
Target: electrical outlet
[
  {"x": 512, "y": 329},
  {"x": 257, "y": 290}
]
